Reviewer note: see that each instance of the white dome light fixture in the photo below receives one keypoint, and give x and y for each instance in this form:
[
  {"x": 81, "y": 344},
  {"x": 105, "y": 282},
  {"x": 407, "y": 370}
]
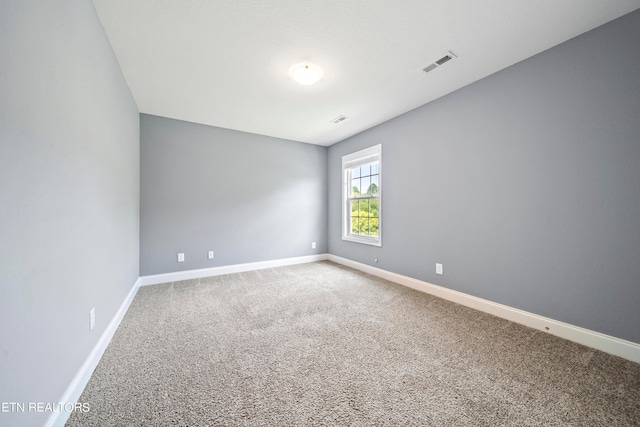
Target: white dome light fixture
[{"x": 305, "y": 73}]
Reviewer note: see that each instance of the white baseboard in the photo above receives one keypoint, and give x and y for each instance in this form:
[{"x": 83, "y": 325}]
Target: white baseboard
[
  {"x": 612, "y": 345},
  {"x": 227, "y": 269},
  {"x": 75, "y": 389}
]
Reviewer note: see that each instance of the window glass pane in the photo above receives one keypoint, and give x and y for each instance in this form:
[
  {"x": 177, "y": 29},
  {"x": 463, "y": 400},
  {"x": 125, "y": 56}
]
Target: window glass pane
[
  {"x": 354, "y": 225},
  {"x": 364, "y": 208},
  {"x": 373, "y": 208},
  {"x": 374, "y": 185},
  {"x": 354, "y": 208},
  {"x": 366, "y": 170},
  {"x": 373, "y": 227},
  {"x": 355, "y": 187},
  {"x": 364, "y": 226},
  {"x": 374, "y": 169},
  {"x": 365, "y": 185},
  {"x": 355, "y": 173}
]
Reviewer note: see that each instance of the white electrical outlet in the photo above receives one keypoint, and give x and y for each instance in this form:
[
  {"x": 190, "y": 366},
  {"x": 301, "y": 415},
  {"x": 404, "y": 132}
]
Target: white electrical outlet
[
  {"x": 313, "y": 245},
  {"x": 92, "y": 318},
  {"x": 180, "y": 257},
  {"x": 210, "y": 255},
  {"x": 439, "y": 269}
]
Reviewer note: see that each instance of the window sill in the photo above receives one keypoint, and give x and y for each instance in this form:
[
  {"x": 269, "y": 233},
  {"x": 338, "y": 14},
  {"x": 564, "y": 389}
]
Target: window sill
[{"x": 363, "y": 240}]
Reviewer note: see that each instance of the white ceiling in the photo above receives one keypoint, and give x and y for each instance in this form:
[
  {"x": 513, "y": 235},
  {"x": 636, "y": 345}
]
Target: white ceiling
[{"x": 225, "y": 62}]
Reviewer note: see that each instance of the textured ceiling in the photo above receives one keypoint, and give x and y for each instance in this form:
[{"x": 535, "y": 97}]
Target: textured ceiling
[{"x": 225, "y": 62}]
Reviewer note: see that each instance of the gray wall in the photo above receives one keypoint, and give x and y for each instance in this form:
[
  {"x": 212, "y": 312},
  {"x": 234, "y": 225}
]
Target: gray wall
[
  {"x": 69, "y": 195},
  {"x": 245, "y": 196},
  {"x": 525, "y": 185}
]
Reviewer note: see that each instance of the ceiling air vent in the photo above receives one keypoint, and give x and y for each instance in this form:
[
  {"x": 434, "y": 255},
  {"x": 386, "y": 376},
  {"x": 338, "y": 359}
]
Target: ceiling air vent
[
  {"x": 429, "y": 68},
  {"x": 444, "y": 59},
  {"x": 448, "y": 57},
  {"x": 339, "y": 119}
]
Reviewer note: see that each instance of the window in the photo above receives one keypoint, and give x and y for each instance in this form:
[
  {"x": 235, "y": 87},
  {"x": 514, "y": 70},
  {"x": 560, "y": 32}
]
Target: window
[{"x": 361, "y": 201}]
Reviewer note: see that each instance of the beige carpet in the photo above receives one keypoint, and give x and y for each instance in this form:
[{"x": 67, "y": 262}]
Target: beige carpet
[{"x": 321, "y": 344}]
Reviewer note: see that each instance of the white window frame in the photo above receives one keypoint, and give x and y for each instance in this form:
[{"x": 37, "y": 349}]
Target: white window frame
[{"x": 350, "y": 161}]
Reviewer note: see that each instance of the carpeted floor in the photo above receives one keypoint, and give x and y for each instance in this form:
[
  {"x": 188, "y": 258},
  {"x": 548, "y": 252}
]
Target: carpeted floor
[{"x": 321, "y": 344}]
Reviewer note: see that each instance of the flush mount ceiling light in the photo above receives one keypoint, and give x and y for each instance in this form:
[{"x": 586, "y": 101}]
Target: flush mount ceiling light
[{"x": 305, "y": 73}]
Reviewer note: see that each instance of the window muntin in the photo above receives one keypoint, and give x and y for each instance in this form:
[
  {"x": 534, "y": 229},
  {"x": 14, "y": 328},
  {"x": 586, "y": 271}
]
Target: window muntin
[{"x": 361, "y": 196}]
